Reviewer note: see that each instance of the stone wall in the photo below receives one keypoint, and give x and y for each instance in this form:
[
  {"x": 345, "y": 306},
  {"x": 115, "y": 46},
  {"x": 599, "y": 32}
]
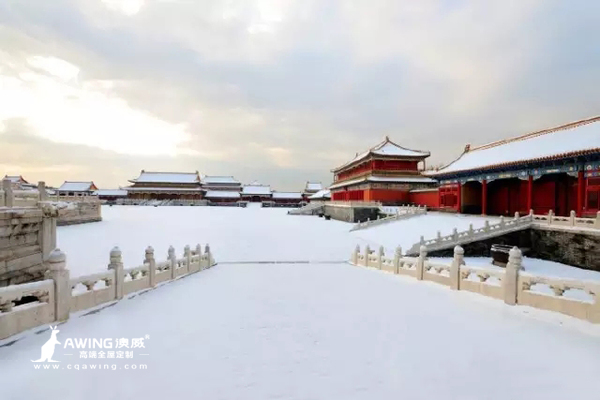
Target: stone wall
[
  {"x": 351, "y": 213},
  {"x": 80, "y": 213},
  {"x": 577, "y": 247},
  {"x": 27, "y": 235}
]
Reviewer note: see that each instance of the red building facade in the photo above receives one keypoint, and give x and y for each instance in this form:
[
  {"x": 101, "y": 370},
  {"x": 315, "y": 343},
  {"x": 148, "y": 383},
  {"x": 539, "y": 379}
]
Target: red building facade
[
  {"x": 555, "y": 169},
  {"x": 385, "y": 173}
]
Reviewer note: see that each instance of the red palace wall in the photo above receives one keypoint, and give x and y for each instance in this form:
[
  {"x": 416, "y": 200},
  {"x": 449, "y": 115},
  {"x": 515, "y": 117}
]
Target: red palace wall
[
  {"x": 385, "y": 195},
  {"x": 381, "y": 165},
  {"x": 430, "y": 198}
]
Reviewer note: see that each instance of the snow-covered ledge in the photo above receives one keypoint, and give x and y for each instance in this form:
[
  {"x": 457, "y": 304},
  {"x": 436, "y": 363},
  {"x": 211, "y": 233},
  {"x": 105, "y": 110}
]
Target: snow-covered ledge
[
  {"x": 577, "y": 298},
  {"x": 53, "y": 299}
]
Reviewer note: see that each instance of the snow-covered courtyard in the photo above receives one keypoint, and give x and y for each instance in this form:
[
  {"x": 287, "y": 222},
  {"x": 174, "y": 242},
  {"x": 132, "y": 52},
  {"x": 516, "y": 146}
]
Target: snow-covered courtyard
[
  {"x": 316, "y": 331},
  {"x": 320, "y": 330}
]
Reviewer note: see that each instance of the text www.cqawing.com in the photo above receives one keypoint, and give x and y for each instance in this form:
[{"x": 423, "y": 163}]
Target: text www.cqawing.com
[{"x": 84, "y": 367}]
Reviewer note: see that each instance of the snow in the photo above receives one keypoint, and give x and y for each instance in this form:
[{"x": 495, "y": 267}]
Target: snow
[
  {"x": 168, "y": 177},
  {"x": 234, "y": 234},
  {"x": 321, "y": 194},
  {"x": 219, "y": 179},
  {"x": 287, "y": 195},
  {"x": 76, "y": 186},
  {"x": 386, "y": 148},
  {"x": 163, "y": 189},
  {"x": 322, "y": 331},
  {"x": 256, "y": 190},
  {"x": 111, "y": 192},
  {"x": 553, "y": 144},
  {"x": 222, "y": 194},
  {"x": 313, "y": 186}
]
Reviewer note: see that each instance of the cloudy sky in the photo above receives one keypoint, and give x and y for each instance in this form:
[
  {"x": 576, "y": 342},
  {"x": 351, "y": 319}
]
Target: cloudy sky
[{"x": 278, "y": 90}]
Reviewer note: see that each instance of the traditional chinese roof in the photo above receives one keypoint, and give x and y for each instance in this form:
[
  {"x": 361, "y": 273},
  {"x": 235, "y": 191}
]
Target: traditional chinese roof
[
  {"x": 77, "y": 187},
  {"x": 256, "y": 190},
  {"x": 386, "y": 148},
  {"x": 313, "y": 186},
  {"x": 287, "y": 195},
  {"x": 321, "y": 194},
  {"x": 15, "y": 179},
  {"x": 570, "y": 140},
  {"x": 162, "y": 189},
  {"x": 385, "y": 179},
  {"x": 111, "y": 192},
  {"x": 167, "y": 177},
  {"x": 208, "y": 180},
  {"x": 222, "y": 194}
]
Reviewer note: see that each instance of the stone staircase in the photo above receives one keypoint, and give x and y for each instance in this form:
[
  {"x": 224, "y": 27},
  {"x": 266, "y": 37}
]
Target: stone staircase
[
  {"x": 402, "y": 213},
  {"x": 309, "y": 209}
]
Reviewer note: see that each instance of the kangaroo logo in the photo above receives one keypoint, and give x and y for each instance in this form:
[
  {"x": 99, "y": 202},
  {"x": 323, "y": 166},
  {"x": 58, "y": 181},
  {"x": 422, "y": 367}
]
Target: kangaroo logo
[{"x": 48, "y": 347}]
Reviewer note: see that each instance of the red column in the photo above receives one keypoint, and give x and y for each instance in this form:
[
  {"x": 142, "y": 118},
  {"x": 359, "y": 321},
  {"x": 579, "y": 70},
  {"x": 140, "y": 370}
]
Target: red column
[
  {"x": 530, "y": 193},
  {"x": 459, "y": 198},
  {"x": 484, "y": 197},
  {"x": 580, "y": 192}
]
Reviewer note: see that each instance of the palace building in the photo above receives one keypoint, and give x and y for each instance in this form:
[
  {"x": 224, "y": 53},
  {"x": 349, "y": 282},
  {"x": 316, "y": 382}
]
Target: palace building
[
  {"x": 70, "y": 188},
  {"x": 556, "y": 169},
  {"x": 385, "y": 173},
  {"x": 255, "y": 192},
  {"x": 214, "y": 183},
  {"x": 165, "y": 186}
]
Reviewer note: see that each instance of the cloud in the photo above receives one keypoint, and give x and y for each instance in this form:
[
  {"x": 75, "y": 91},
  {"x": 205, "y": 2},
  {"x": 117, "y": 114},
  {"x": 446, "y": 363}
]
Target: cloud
[{"x": 281, "y": 90}]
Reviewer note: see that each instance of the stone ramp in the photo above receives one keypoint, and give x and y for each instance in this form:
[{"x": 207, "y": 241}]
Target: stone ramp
[{"x": 471, "y": 235}]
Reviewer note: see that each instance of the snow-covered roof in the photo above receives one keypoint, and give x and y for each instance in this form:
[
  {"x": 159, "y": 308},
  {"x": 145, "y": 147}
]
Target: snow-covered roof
[
  {"x": 387, "y": 179},
  {"x": 15, "y": 179},
  {"x": 386, "y": 148},
  {"x": 220, "y": 179},
  {"x": 321, "y": 194},
  {"x": 257, "y": 190},
  {"x": 577, "y": 138},
  {"x": 162, "y": 189},
  {"x": 222, "y": 194},
  {"x": 77, "y": 186},
  {"x": 287, "y": 195},
  {"x": 167, "y": 177},
  {"x": 111, "y": 192},
  {"x": 313, "y": 186}
]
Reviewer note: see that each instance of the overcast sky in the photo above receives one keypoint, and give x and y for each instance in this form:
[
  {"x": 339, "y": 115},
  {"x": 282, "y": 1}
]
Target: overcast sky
[{"x": 277, "y": 90}]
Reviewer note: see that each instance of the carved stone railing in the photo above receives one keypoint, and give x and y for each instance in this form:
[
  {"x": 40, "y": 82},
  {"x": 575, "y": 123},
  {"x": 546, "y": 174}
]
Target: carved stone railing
[
  {"x": 52, "y": 300},
  {"x": 38, "y": 310},
  {"x": 404, "y": 212},
  {"x": 502, "y": 227},
  {"x": 577, "y": 298}
]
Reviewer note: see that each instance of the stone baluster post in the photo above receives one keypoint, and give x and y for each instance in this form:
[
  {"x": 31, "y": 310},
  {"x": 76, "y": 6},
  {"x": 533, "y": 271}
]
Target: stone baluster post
[
  {"x": 422, "y": 240},
  {"x": 9, "y": 197},
  {"x": 502, "y": 221},
  {"x": 173, "y": 261},
  {"x": 43, "y": 195},
  {"x": 58, "y": 272},
  {"x": 151, "y": 265},
  {"x": 470, "y": 229},
  {"x": 439, "y": 236},
  {"x": 511, "y": 276},
  {"x": 354, "y": 259},
  {"x": 455, "y": 234},
  {"x": 421, "y": 262},
  {"x": 517, "y": 215},
  {"x": 550, "y": 217},
  {"x": 199, "y": 253},
  {"x": 380, "y": 255},
  {"x": 459, "y": 259},
  {"x": 187, "y": 253},
  {"x": 116, "y": 264},
  {"x": 367, "y": 254},
  {"x": 597, "y": 224},
  {"x": 486, "y": 226},
  {"x": 572, "y": 216},
  {"x": 397, "y": 257},
  {"x": 209, "y": 257}
]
